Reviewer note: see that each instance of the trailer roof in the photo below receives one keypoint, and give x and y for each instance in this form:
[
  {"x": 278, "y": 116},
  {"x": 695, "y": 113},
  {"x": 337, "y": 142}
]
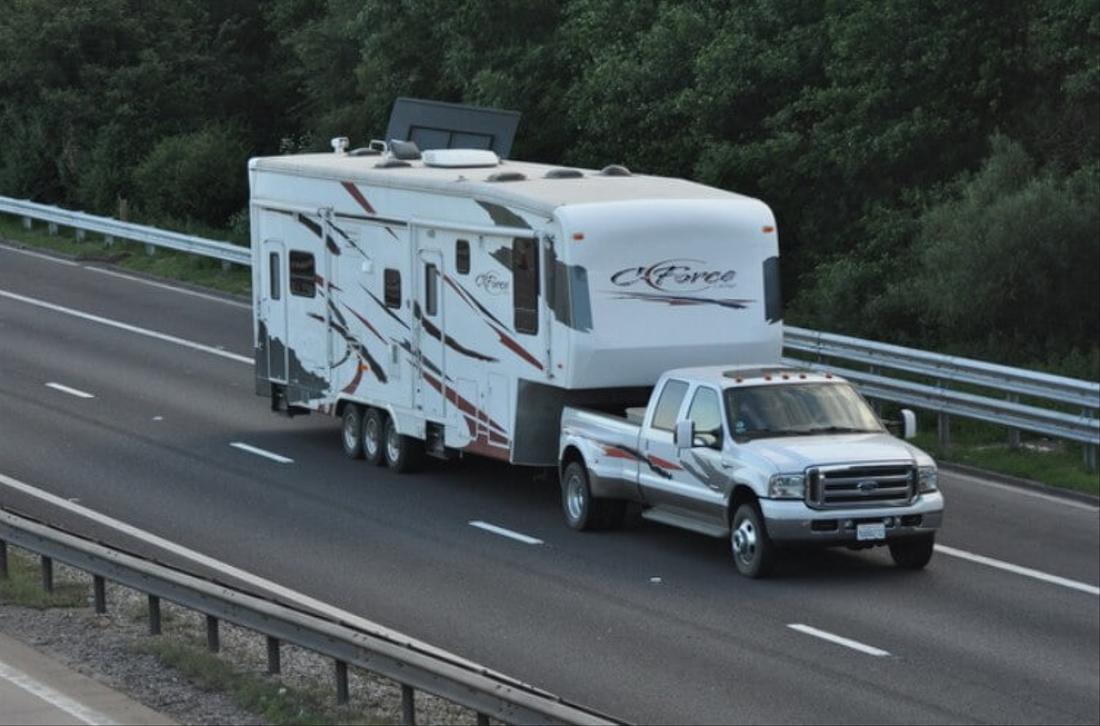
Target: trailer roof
[{"x": 535, "y": 192}]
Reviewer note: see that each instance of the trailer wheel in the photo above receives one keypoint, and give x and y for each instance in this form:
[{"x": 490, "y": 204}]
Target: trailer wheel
[
  {"x": 374, "y": 431},
  {"x": 913, "y": 553},
  {"x": 403, "y": 454},
  {"x": 753, "y": 551},
  {"x": 351, "y": 432}
]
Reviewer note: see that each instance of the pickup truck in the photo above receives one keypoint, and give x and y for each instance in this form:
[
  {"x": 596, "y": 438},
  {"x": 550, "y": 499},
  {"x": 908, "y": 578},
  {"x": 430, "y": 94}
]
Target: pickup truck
[{"x": 771, "y": 457}]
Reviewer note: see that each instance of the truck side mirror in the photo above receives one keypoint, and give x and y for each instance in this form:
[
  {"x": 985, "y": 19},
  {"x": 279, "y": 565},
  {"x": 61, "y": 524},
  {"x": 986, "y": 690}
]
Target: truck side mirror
[
  {"x": 684, "y": 434},
  {"x": 908, "y": 424}
]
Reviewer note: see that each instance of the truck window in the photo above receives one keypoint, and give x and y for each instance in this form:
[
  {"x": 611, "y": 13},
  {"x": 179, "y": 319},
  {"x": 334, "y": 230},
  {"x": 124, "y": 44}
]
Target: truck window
[
  {"x": 525, "y": 287},
  {"x": 276, "y": 283},
  {"x": 391, "y": 281},
  {"x": 462, "y": 257},
  {"x": 431, "y": 290},
  {"x": 706, "y": 412},
  {"x": 303, "y": 274},
  {"x": 668, "y": 405}
]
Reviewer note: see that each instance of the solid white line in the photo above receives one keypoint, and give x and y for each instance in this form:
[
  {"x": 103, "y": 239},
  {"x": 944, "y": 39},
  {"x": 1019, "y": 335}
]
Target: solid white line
[
  {"x": 70, "y": 391},
  {"x": 846, "y": 642},
  {"x": 505, "y": 532},
  {"x": 262, "y": 452},
  {"x": 1021, "y": 491},
  {"x": 39, "y": 255},
  {"x": 164, "y": 286},
  {"x": 55, "y": 698},
  {"x": 1017, "y": 569},
  {"x": 127, "y": 327},
  {"x": 299, "y": 599}
]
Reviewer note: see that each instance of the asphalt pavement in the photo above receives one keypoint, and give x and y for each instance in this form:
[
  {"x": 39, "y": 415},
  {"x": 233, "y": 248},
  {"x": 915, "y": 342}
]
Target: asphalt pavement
[{"x": 152, "y": 420}]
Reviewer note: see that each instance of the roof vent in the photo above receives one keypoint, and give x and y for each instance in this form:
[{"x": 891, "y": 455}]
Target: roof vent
[
  {"x": 364, "y": 151},
  {"x": 563, "y": 174},
  {"x": 391, "y": 163},
  {"x": 506, "y": 176},
  {"x": 458, "y": 158},
  {"x": 404, "y": 150},
  {"x": 615, "y": 170},
  {"x": 340, "y": 145}
]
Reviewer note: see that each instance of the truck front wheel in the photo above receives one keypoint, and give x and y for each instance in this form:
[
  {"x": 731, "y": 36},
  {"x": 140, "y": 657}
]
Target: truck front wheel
[
  {"x": 753, "y": 550},
  {"x": 403, "y": 454},
  {"x": 913, "y": 553}
]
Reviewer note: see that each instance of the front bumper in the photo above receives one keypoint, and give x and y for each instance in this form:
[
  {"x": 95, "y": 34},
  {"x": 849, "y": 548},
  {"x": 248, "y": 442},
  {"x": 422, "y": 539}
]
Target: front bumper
[{"x": 790, "y": 521}]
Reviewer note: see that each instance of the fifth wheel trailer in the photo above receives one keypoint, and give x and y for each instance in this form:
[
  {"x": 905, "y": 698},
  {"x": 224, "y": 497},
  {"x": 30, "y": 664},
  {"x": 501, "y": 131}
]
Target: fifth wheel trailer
[{"x": 453, "y": 302}]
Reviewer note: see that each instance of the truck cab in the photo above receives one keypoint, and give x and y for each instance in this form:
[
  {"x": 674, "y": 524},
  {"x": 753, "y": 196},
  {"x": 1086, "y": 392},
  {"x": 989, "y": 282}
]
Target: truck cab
[{"x": 767, "y": 456}]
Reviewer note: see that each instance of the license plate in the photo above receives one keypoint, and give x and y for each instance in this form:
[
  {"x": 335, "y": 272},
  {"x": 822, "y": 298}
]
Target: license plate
[{"x": 870, "y": 531}]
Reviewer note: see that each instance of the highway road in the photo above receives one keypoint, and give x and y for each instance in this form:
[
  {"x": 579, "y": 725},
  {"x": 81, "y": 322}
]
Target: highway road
[{"x": 128, "y": 398}]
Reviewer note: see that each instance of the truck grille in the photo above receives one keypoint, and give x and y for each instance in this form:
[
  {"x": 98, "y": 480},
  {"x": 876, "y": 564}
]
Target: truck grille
[{"x": 874, "y": 485}]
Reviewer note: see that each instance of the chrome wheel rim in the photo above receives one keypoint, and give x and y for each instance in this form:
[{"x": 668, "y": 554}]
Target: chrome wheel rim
[
  {"x": 393, "y": 445},
  {"x": 351, "y": 435},
  {"x": 744, "y": 542},
  {"x": 370, "y": 435},
  {"x": 574, "y": 497}
]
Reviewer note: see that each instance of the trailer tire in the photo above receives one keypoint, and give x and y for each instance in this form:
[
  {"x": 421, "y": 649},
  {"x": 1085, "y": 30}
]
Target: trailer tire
[
  {"x": 374, "y": 433},
  {"x": 351, "y": 431},
  {"x": 403, "y": 454},
  {"x": 753, "y": 551},
  {"x": 913, "y": 553}
]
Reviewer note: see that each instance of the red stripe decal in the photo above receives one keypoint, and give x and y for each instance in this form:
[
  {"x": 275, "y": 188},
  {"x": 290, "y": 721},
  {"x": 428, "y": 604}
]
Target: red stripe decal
[
  {"x": 358, "y": 197},
  {"x": 664, "y": 463},
  {"x": 615, "y": 452},
  {"x": 365, "y": 322}
]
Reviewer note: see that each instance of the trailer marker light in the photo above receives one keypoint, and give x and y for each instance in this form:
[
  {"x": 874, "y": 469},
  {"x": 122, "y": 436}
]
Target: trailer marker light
[
  {"x": 578, "y": 236},
  {"x": 767, "y": 229}
]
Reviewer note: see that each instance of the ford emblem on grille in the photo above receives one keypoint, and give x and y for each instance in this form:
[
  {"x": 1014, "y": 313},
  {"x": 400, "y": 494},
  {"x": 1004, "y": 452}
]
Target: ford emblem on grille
[{"x": 867, "y": 485}]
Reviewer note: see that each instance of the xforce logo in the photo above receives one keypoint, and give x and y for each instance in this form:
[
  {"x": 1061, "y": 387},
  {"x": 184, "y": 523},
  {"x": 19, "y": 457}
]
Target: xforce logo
[
  {"x": 490, "y": 283},
  {"x": 675, "y": 275}
]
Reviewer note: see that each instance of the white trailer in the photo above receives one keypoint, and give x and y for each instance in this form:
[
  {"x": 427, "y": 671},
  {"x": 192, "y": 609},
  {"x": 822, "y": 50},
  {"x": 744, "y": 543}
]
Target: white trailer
[{"x": 456, "y": 303}]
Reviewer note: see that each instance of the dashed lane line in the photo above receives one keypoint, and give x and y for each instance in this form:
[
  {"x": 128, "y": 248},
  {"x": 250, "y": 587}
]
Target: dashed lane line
[{"x": 71, "y": 391}]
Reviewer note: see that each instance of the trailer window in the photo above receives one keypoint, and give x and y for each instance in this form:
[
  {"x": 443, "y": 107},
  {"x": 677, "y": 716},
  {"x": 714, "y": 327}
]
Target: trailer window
[
  {"x": 462, "y": 256},
  {"x": 431, "y": 290},
  {"x": 276, "y": 283},
  {"x": 303, "y": 274},
  {"x": 668, "y": 405},
  {"x": 525, "y": 285},
  {"x": 391, "y": 280}
]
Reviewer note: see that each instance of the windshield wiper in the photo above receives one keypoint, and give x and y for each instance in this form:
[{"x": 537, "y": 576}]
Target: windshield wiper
[
  {"x": 769, "y": 433},
  {"x": 837, "y": 430}
]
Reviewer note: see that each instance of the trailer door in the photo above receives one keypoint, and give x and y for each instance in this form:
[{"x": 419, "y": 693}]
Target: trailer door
[
  {"x": 273, "y": 308},
  {"x": 428, "y": 314}
]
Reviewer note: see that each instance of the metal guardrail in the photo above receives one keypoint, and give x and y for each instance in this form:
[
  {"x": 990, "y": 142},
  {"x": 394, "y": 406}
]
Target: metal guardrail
[
  {"x": 113, "y": 228},
  {"x": 935, "y": 393},
  {"x": 486, "y": 693}
]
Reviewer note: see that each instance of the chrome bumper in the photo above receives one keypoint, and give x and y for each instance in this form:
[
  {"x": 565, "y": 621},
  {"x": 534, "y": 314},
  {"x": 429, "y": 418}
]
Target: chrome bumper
[{"x": 790, "y": 521}]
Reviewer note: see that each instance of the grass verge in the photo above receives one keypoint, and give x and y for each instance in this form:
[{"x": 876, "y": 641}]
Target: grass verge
[
  {"x": 191, "y": 269},
  {"x": 275, "y": 703},
  {"x": 23, "y": 586}
]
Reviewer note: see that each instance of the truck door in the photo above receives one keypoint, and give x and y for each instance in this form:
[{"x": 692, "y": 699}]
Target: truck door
[
  {"x": 272, "y": 312},
  {"x": 428, "y": 315}
]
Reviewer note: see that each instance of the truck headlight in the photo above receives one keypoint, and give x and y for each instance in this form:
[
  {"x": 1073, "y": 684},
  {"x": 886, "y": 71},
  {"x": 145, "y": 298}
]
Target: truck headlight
[
  {"x": 927, "y": 479},
  {"x": 787, "y": 486}
]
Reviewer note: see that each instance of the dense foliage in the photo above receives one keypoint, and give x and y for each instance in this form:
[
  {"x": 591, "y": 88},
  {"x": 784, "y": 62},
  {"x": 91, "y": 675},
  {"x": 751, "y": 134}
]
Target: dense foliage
[{"x": 934, "y": 165}]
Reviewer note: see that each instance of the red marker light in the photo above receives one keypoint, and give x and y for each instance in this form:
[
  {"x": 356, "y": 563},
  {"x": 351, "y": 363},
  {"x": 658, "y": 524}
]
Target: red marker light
[
  {"x": 767, "y": 229},
  {"x": 578, "y": 236}
]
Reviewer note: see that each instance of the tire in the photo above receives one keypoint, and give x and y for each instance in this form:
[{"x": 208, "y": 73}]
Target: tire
[
  {"x": 351, "y": 431},
  {"x": 582, "y": 510},
  {"x": 913, "y": 553},
  {"x": 373, "y": 439},
  {"x": 403, "y": 454},
  {"x": 752, "y": 549}
]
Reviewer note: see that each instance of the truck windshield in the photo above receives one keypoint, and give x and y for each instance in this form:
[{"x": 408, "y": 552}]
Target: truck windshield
[{"x": 798, "y": 409}]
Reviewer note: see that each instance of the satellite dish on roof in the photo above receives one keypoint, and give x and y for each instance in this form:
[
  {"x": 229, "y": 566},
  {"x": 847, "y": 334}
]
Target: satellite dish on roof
[{"x": 439, "y": 125}]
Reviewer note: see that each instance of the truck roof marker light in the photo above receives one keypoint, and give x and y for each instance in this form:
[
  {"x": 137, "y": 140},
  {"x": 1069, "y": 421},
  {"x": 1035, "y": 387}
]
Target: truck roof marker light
[
  {"x": 828, "y": 375},
  {"x": 738, "y": 380},
  {"x": 767, "y": 378},
  {"x": 802, "y": 376},
  {"x": 786, "y": 377},
  {"x": 767, "y": 229},
  {"x": 578, "y": 236}
]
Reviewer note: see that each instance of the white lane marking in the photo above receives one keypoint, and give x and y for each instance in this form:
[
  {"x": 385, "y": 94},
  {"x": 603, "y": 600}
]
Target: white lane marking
[
  {"x": 261, "y": 452},
  {"x": 1021, "y": 491},
  {"x": 1017, "y": 569},
  {"x": 127, "y": 327},
  {"x": 299, "y": 599},
  {"x": 165, "y": 286},
  {"x": 55, "y": 698},
  {"x": 70, "y": 391},
  {"x": 505, "y": 532},
  {"x": 39, "y": 255},
  {"x": 832, "y": 638}
]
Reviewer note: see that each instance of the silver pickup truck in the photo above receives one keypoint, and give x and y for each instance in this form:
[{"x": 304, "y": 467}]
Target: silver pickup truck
[{"x": 769, "y": 457}]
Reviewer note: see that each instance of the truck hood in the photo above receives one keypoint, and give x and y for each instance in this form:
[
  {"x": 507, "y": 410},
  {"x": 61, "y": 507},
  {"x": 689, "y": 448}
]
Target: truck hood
[{"x": 795, "y": 453}]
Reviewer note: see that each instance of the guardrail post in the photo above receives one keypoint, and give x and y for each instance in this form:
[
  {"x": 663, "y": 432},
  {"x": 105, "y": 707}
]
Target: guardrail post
[
  {"x": 1090, "y": 457},
  {"x": 482, "y": 720},
  {"x": 274, "y": 665},
  {"x": 212, "y": 641},
  {"x": 341, "y": 682},
  {"x": 109, "y": 240},
  {"x": 3, "y": 560},
  {"x": 408, "y": 705},
  {"x": 99, "y": 587},
  {"x": 52, "y": 229},
  {"x": 1013, "y": 434},
  {"x": 80, "y": 235},
  {"x": 227, "y": 265},
  {"x": 154, "y": 615},
  {"x": 150, "y": 249},
  {"x": 47, "y": 574},
  {"x": 943, "y": 430},
  {"x": 28, "y": 223}
]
